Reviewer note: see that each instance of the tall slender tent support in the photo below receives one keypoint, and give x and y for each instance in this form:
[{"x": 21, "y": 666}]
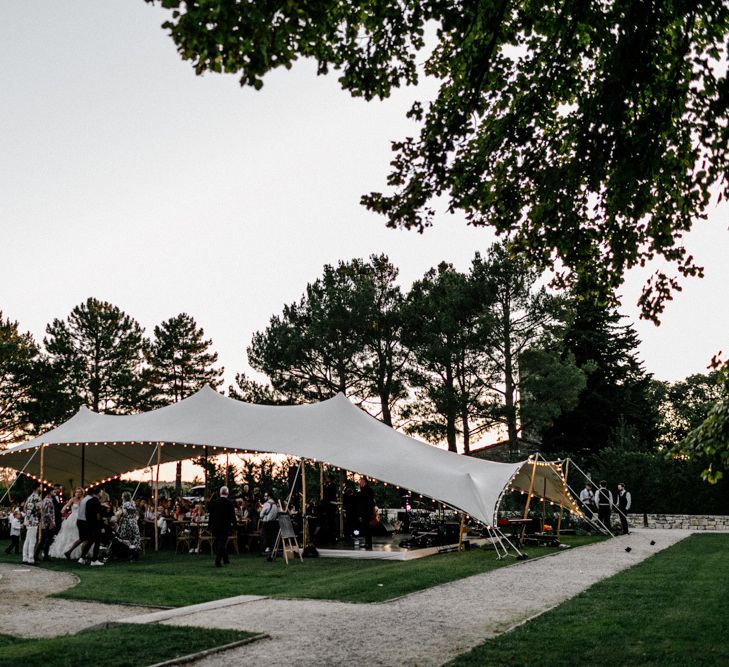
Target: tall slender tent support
[
  {"x": 40, "y": 523},
  {"x": 340, "y": 496},
  {"x": 206, "y": 473},
  {"x": 561, "y": 508},
  {"x": 156, "y": 499},
  {"x": 304, "y": 521},
  {"x": 83, "y": 466},
  {"x": 529, "y": 498},
  {"x": 460, "y": 532}
]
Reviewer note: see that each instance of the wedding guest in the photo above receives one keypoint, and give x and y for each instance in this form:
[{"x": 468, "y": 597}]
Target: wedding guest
[
  {"x": 127, "y": 522},
  {"x": 91, "y": 508},
  {"x": 32, "y": 510},
  {"x": 222, "y": 522},
  {"x": 68, "y": 534},
  {"x": 269, "y": 524},
  {"x": 15, "y": 526},
  {"x": 47, "y": 525}
]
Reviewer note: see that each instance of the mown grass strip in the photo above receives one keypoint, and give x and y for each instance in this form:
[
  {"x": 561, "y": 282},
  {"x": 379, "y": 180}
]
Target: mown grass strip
[
  {"x": 165, "y": 579},
  {"x": 115, "y": 646},
  {"x": 672, "y": 609}
]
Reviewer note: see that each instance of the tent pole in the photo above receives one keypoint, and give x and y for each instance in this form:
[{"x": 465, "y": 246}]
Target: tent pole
[
  {"x": 544, "y": 504},
  {"x": 460, "y": 532},
  {"x": 156, "y": 501},
  {"x": 304, "y": 524},
  {"x": 227, "y": 469},
  {"x": 40, "y": 523},
  {"x": 206, "y": 473},
  {"x": 529, "y": 499},
  {"x": 341, "y": 504},
  {"x": 559, "y": 520},
  {"x": 83, "y": 466}
]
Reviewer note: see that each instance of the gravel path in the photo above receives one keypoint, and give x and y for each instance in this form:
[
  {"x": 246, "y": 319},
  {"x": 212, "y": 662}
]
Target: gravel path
[
  {"x": 25, "y": 611},
  {"x": 425, "y": 628}
]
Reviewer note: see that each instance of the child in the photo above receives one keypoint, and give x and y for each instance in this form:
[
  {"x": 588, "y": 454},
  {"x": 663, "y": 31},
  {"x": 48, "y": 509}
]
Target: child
[{"x": 15, "y": 525}]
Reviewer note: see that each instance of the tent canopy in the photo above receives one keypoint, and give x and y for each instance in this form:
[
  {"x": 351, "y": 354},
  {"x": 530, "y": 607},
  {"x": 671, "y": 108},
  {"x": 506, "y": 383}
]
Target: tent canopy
[{"x": 334, "y": 432}]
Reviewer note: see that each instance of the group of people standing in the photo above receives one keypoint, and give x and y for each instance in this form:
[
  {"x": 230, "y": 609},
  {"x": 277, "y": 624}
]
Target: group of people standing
[
  {"x": 73, "y": 529},
  {"x": 600, "y": 502}
]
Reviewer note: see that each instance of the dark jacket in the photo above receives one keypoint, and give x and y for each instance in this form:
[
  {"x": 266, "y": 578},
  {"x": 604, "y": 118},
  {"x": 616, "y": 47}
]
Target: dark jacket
[
  {"x": 222, "y": 516},
  {"x": 366, "y": 503},
  {"x": 57, "y": 506},
  {"x": 93, "y": 513}
]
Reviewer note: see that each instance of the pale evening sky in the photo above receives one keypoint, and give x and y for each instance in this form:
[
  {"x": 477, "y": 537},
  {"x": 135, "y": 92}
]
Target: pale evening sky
[{"x": 128, "y": 178}]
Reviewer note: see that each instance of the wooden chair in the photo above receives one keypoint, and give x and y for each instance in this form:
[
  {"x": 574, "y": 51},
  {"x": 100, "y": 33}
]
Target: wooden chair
[
  {"x": 234, "y": 540},
  {"x": 204, "y": 537},
  {"x": 183, "y": 536},
  {"x": 254, "y": 537}
]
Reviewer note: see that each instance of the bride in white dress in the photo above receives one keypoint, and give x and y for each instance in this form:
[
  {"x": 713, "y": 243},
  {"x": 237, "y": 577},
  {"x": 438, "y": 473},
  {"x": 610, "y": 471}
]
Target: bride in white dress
[{"x": 69, "y": 530}]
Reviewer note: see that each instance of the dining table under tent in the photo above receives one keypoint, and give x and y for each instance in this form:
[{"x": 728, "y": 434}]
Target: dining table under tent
[{"x": 92, "y": 448}]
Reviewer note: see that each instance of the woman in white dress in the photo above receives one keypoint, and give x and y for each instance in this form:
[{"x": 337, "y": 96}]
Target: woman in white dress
[{"x": 69, "y": 531}]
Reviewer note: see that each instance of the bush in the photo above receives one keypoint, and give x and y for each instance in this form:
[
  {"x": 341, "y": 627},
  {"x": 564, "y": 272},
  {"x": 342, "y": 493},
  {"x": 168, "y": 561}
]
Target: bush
[{"x": 660, "y": 485}]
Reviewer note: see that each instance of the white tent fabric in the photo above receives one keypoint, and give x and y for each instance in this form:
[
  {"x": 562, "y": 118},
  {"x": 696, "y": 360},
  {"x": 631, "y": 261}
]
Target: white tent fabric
[{"x": 334, "y": 432}]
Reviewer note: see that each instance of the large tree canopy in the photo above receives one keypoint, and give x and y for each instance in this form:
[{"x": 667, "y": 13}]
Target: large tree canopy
[{"x": 592, "y": 132}]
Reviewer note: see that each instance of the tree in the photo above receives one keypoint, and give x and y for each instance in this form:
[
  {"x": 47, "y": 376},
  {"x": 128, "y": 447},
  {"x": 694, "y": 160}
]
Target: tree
[
  {"x": 589, "y": 132},
  {"x": 314, "y": 349},
  {"x": 342, "y": 336},
  {"x": 617, "y": 405},
  {"x": 708, "y": 443},
  {"x": 385, "y": 356},
  {"x": 18, "y": 356},
  {"x": 446, "y": 337},
  {"x": 686, "y": 404},
  {"x": 529, "y": 380},
  {"x": 248, "y": 390},
  {"x": 180, "y": 361},
  {"x": 99, "y": 353}
]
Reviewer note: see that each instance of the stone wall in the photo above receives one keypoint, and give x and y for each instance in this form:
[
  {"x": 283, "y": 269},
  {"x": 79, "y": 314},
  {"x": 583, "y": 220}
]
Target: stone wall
[{"x": 690, "y": 521}]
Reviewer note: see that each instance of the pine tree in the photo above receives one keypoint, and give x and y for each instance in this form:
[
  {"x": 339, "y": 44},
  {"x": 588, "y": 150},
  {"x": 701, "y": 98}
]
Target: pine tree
[
  {"x": 180, "y": 361},
  {"x": 99, "y": 353},
  {"x": 18, "y": 354},
  {"x": 617, "y": 399}
]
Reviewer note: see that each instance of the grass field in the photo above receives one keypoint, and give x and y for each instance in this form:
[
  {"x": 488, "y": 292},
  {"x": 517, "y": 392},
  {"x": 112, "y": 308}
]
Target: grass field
[
  {"x": 168, "y": 580},
  {"x": 116, "y": 646},
  {"x": 672, "y": 609}
]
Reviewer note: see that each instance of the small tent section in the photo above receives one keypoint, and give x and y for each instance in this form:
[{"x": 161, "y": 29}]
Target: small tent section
[{"x": 335, "y": 432}]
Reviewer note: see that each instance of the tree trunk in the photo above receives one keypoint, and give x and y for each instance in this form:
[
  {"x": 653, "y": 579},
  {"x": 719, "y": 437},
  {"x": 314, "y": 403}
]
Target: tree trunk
[
  {"x": 466, "y": 432},
  {"x": 451, "y": 411},
  {"x": 509, "y": 385}
]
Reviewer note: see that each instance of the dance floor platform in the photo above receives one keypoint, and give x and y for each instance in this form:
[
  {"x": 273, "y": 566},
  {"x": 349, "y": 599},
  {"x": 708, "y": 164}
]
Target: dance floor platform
[{"x": 388, "y": 548}]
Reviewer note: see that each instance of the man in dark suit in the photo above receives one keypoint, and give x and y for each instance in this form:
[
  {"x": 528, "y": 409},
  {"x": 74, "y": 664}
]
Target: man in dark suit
[
  {"x": 222, "y": 521},
  {"x": 93, "y": 527},
  {"x": 366, "y": 510}
]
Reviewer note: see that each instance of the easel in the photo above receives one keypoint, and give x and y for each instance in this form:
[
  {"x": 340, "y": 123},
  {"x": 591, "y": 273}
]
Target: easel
[
  {"x": 286, "y": 533},
  {"x": 287, "y": 537}
]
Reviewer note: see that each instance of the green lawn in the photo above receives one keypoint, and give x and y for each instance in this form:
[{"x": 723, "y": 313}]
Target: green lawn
[
  {"x": 672, "y": 609},
  {"x": 168, "y": 580},
  {"x": 116, "y": 646}
]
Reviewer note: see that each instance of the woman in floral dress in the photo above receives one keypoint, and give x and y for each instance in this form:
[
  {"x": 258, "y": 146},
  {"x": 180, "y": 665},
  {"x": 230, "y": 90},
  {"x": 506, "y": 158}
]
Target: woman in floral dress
[{"x": 127, "y": 518}]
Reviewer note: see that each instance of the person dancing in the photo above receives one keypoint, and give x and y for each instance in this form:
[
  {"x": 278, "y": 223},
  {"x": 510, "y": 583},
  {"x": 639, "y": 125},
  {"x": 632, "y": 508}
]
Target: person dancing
[{"x": 68, "y": 536}]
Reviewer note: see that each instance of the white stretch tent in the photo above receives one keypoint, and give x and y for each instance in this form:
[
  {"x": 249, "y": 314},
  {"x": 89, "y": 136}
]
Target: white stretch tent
[{"x": 334, "y": 432}]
